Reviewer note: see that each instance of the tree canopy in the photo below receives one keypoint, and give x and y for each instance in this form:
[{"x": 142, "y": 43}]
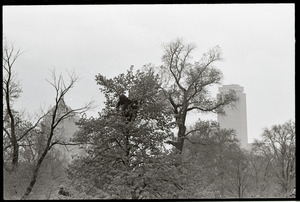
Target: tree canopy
[
  {"x": 186, "y": 84},
  {"x": 139, "y": 146}
]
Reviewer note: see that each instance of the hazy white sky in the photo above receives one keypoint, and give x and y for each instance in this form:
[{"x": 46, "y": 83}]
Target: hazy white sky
[{"x": 257, "y": 41}]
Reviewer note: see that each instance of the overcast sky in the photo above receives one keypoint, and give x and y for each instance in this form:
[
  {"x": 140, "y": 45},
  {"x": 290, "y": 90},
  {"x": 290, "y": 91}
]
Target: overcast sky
[{"x": 257, "y": 42}]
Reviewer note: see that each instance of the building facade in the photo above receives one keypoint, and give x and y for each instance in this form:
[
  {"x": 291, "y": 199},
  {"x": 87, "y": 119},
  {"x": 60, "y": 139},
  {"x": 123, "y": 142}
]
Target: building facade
[{"x": 235, "y": 117}]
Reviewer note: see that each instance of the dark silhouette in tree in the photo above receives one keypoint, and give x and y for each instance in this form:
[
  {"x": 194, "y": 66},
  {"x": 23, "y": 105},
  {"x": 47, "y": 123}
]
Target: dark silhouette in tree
[{"x": 129, "y": 107}]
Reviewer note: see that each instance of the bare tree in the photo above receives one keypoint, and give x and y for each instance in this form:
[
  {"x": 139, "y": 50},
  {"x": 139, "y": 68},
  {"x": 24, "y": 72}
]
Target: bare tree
[
  {"x": 11, "y": 91},
  {"x": 260, "y": 160},
  {"x": 56, "y": 117},
  {"x": 186, "y": 84},
  {"x": 280, "y": 140},
  {"x": 237, "y": 173}
]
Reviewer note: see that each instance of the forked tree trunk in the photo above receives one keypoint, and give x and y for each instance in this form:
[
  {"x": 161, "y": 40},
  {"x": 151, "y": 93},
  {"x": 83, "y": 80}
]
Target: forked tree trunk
[{"x": 180, "y": 122}]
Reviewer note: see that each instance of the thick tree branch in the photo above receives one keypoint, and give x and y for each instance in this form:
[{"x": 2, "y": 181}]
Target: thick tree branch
[{"x": 31, "y": 128}]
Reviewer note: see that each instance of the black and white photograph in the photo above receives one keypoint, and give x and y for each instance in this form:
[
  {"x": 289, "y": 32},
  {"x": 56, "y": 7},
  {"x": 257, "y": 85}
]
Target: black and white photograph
[{"x": 149, "y": 101}]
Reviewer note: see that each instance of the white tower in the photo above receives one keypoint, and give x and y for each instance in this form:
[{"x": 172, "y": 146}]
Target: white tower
[{"x": 235, "y": 117}]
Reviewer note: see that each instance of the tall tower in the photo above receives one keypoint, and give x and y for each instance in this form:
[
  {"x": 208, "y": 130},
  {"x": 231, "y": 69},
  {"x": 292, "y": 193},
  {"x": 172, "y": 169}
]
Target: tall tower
[
  {"x": 235, "y": 117},
  {"x": 63, "y": 132}
]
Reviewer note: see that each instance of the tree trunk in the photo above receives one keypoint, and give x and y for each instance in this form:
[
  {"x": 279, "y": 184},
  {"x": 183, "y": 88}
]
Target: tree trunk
[
  {"x": 14, "y": 141},
  {"x": 180, "y": 121},
  {"x": 239, "y": 192},
  {"x": 180, "y": 141},
  {"x": 181, "y": 127},
  {"x": 40, "y": 161},
  {"x": 35, "y": 174},
  {"x": 15, "y": 156}
]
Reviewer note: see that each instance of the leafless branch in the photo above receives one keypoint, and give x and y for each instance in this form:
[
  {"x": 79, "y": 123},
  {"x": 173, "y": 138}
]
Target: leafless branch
[
  {"x": 192, "y": 131},
  {"x": 57, "y": 115},
  {"x": 67, "y": 143},
  {"x": 6, "y": 131},
  {"x": 32, "y": 127},
  {"x": 11, "y": 91}
]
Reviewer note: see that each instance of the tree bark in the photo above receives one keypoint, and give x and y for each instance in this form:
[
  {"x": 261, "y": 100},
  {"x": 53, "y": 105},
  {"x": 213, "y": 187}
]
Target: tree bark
[
  {"x": 15, "y": 157},
  {"x": 181, "y": 135},
  {"x": 14, "y": 141},
  {"x": 35, "y": 174}
]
